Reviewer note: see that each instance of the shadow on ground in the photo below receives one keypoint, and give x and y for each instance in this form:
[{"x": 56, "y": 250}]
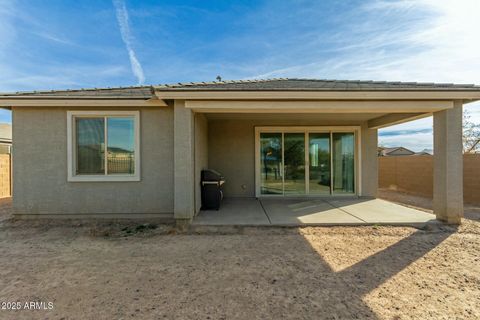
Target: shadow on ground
[{"x": 227, "y": 273}]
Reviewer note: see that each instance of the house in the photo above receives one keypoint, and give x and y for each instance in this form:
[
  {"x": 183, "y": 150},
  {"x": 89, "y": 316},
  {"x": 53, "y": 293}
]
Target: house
[
  {"x": 269, "y": 138},
  {"x": 394, "y": 151},
  {"x": 5, "y": 138},
  {"x": 424, "y": 152}
]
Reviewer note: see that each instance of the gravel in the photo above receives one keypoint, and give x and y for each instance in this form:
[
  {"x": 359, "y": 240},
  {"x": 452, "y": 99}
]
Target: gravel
[{"x": 101, "y": 271}]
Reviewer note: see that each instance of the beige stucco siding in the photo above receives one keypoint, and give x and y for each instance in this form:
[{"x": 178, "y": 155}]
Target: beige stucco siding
[
  {"x": 201, "y": 155},
  {"x": 40, "y": 168},
  {"x": 232, "y": 150}
]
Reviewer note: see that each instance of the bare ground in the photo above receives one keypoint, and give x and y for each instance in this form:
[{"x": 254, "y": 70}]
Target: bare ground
[{"x": 123, "y": 270}]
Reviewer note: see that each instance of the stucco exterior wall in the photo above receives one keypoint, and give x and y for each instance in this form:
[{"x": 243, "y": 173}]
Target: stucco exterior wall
[
  {"x": 40, "y": 168},
  {"x": 201, "y": 155},
  {"x": 232, "y": 151}
]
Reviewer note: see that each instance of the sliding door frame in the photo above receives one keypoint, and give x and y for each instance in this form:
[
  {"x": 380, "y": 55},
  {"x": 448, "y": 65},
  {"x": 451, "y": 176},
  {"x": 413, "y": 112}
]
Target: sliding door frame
[{"x": 356, "y": 130}]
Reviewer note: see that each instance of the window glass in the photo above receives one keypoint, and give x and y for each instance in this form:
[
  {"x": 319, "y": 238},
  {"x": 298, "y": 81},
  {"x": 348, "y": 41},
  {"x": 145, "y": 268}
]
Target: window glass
[
  {"x": 90, "y": 145},
  {"x": 121, "y": 145},
  {"x": 271, "y": 163},
  {"x": 294, "y": 157},
  {"x": 90, "y": 137},
  {"x": 319, "y": 163},
  {"x": 343, "y": 162},
  {"x": 283, "y": 167}
]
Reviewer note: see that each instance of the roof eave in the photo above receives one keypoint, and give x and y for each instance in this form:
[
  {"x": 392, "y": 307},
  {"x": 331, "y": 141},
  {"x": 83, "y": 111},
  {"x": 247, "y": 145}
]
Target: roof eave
[
  {"x": 7, "y": 102},
  {"x": 465, "y": 95},
  {"x": 70, "y": 97}
]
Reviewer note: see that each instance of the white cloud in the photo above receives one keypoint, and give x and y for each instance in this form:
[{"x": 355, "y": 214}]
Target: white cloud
[
  {"x": 122, "y": 17},
  {"x": 413, "y": 141},
  {"x": 439, "y": 45},
  {"x": 53, "y": 37},
  {"x": 434, "y": 41},
  {"x": 7, "y": 28},
  {"x": 448, "y": 43},
  {"x": 57, "y": 77}
]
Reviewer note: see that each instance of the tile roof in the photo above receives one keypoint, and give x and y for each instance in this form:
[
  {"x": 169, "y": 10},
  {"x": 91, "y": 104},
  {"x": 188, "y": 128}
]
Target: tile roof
[
  {"x": 281, "y": 84},
  {"x": 138, "y": 92},
  {"x": 292, "y": 84}
]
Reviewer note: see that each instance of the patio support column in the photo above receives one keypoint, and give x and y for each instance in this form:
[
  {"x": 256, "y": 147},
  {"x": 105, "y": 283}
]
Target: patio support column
[
  {"x": 183, "y": 139},
  {"x": 448, "y": 164},
  {"x": 369, "y": 162}
]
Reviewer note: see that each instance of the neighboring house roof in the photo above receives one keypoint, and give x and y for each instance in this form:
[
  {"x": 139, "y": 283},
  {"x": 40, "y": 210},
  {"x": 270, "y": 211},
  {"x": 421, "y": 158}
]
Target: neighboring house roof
[
  {"x": 423, "y": 153},
  {"x": 283, "y": 84},
  {"x": 5, "y": 133},
  {"x": 396, "y": 151}
]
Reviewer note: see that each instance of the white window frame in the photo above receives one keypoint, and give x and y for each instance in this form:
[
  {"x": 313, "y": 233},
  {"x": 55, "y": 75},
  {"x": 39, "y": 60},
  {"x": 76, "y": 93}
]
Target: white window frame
[
  {"x": 356, "y": 130},
  {"x": 71, "y": 147}
]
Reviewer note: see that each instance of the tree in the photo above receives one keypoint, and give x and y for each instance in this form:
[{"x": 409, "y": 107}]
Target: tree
[{"x": 471, "y": 134}]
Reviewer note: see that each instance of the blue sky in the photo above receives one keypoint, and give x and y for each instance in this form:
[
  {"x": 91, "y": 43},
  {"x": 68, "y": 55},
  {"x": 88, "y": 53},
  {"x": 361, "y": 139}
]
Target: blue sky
[{"x": 72, "y": 44}]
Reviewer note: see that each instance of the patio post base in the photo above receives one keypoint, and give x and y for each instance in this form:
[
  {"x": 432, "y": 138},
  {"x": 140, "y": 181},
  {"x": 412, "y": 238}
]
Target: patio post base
[
  {"x": 183, "y": 224},
  {"x": 450, "y": 219}
]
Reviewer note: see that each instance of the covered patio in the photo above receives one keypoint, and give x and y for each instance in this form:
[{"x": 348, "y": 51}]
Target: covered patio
[
  {"x": 312, "y": 212},
  {"x": 289, "y": 149}
]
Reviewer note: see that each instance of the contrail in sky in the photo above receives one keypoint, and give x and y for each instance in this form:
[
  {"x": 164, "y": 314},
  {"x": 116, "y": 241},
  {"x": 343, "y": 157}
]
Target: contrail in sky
[{"x": 122, "y": 17}]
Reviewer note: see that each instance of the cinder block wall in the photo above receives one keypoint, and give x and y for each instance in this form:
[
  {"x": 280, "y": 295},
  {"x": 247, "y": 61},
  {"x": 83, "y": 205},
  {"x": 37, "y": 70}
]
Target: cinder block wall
[
  {"x": 471, "y": 178},
  {"x": 5, "y": 182},
  {"x": 414, "y": 175}
]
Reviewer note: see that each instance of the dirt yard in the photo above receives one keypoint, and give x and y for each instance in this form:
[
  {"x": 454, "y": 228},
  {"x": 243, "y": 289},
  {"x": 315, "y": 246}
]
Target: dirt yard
[{"x": 146, "y": 271}]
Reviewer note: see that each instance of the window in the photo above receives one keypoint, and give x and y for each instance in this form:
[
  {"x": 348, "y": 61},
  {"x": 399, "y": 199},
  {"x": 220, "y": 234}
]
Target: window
[{"x": 103, "y": 146}]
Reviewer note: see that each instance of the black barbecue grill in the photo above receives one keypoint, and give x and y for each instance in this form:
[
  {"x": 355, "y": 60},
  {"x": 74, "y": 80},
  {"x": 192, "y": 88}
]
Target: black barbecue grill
[{"x": 212, "y": 195}]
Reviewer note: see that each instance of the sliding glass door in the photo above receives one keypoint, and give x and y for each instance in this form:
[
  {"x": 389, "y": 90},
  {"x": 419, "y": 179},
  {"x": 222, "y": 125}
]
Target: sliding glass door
[
  {"x": 271, "y": 163},
  {"x": 294, "y": 169},
  {"x": 319, "y": 164},
  {"x": 343, "y": 162},
  {"x": 306, "y": 162}
]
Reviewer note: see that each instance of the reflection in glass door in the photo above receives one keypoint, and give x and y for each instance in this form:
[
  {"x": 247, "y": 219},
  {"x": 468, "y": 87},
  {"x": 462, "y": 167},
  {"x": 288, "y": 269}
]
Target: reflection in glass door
[
  {"x": 343, "y": 162},
  {"x": 294, "y": 155},
  {"x": 271, "y": 170},
  {"x": 319, "y": 167}
]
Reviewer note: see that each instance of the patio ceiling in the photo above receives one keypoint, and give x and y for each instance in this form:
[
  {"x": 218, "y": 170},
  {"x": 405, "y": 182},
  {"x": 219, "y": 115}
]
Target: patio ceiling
[{"x": 299, "y": 117}]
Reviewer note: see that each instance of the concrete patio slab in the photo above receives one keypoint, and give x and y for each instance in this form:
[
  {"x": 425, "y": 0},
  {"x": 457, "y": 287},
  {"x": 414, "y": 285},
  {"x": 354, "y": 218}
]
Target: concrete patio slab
[
  {"x": 287, "y": 212},
  {"x": 378, "y": 211},
  {"x": 311, "y": 212},
  {"x": 234, "y": 211}
]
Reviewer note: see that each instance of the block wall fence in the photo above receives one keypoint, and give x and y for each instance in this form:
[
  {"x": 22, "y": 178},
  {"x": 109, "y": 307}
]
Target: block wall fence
[{"x": 414, "y": 175}]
